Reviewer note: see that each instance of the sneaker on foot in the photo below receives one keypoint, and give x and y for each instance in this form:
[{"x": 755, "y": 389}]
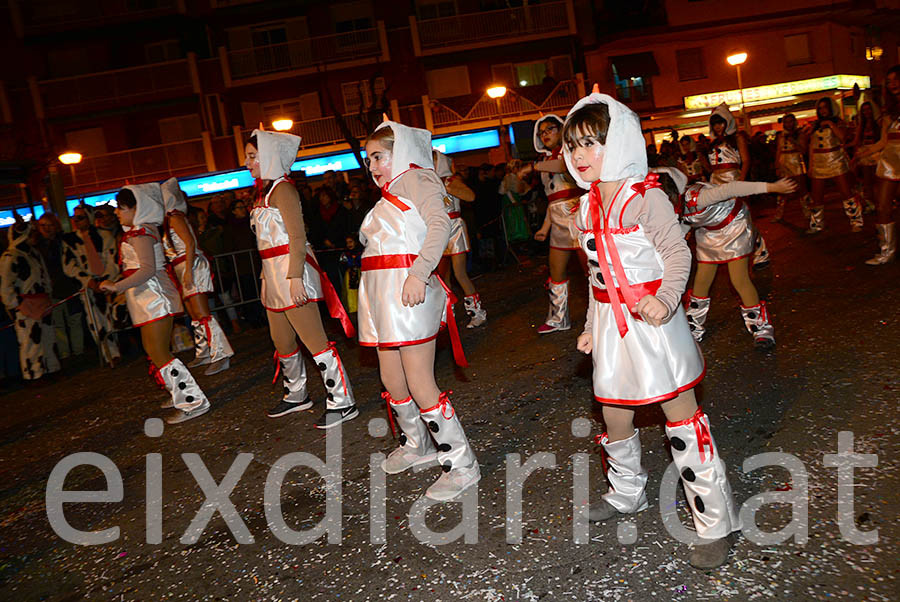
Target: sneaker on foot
[
  {"x": 452, "y": 483},
  {"x": 285, "y": 407},
  {"x": 220, "y": 366},
  {"x": 601, "y": 511},
  {"x": 183, "y": 416},
  {"x": 712, "y": 553},
  {"x": 477, "y": 320},
  {"x": 168, "y": 403},
  {"x": 335, "y": 417},
  {"x": 548, "y": 328},
  {"x": 401, "y": 460},
  {"x": 198, "y": 361}
]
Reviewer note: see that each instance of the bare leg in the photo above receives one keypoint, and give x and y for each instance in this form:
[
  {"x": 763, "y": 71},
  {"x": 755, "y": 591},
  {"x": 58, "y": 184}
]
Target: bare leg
[
  {"x": 156, "y": 337},
  {"x": 418, "y": 366},
  {"x": 459, "y": 270},
  {"x": 197, "y": 306},
  {"x": 704, "y": 277},
  {"x": 282, "y": 334},
  {"x": 740, "y": 280},
  {"x": 681, "y": 408},
  {"x": 392, "y": 375},
  {"x": 444, "y": 269},
  {"x": 619, "y": 422},
  {"x": 559, "y": 261},
  {"x": 306, "y": 321},
  {"x": 886, "y": 191},
  {"x": 817, "y": 192}
]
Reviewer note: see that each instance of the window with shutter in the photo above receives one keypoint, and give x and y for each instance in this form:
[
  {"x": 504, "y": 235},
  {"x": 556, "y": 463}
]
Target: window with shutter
[
  {"x": 796, "y": 49},
  {"x": 690, "y": 64}
]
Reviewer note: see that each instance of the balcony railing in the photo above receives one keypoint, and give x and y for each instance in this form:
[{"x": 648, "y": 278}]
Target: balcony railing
[
  {"x": 300, "y": 54},
  {"x": 495, "y": 26},
  {"x": 516, "y": 103},
  {"x": 154, "y": 81},
  {"x": 40, "y": 14},
  {"x": 143, "y": 164}
]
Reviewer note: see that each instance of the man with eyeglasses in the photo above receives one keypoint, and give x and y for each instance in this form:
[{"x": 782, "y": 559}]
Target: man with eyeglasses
[{"x": 562, "y": 203}]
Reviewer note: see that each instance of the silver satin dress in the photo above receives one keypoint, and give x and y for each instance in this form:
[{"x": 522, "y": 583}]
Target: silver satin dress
[
  {"x": 829, "y": 160},
  {"x": 274, "y": 248},
  {"x": 889, "y": 162},
  {"x": 725, "y": 162},
  {"x": 650, "y": 363},
  {"x": 158, "y": 297},
  {"x": 723, "y": 232},
  {"x": 563, "y": 198},
  {"x": 393, "y": 233},
  {"x": 176, "y": 254},
  {"x": 790, "y": 157},
  {"x": 459, "y": 236}
]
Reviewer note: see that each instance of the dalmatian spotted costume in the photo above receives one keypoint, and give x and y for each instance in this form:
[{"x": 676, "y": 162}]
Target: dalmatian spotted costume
[{"x": 635, "y": 363}]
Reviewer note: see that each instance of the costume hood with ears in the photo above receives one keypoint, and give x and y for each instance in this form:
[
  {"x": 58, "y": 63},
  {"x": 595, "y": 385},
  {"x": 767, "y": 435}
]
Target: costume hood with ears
[
  {"x": 835, "y": 109},
  {"x": 538, "y": 143},
  {"x": 863, "y": 99},
  {"x": 412, "y": 147},
  {"x": 730, "y": 124},
  {"x": 88, "y": 212},
  {"x": 173, "y": 198},
  {"x": 149, "y": 210},
  {"x": 677, "y": 176},
  {"x": 443, "y": 165},
  {"x": 19, "y": 233},
  {"x": 625, "y": 151},
  {"x": 276, "y": 151}
]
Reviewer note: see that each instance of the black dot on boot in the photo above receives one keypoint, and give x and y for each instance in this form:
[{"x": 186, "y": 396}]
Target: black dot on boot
[
  {"x": 752, "y": 315},
  {"x": 433, "y": 426},
  {"x": 287, "y": 391},
  {"x": 688, "y": 475},
  {"x": 182, "y": 386},
  {"x": 678, "y": 443},
  {"x": 330, "y": 396},
  {"x": 402, "y": 439},
  {"x": 189, "y": 398},
  {"x": 694, "y": 305},
  {"x": 699, "y": 505},
  {"x": 591, "y": 244},
  {"x": 322, "y": 366},
  {"x": 329, "y": 383},
  {"x": 174, "y": 372},
  {"x": 447, "y": 467},
  {"x": 594, "y": 263},
  {"x": 444, "y": 447}
]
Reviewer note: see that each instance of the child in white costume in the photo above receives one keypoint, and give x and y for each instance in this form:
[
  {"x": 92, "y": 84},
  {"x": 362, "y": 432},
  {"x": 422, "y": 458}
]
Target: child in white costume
[
  {"x": 562, "y": 203},
  {"x": 402, "y": 304},
  {"x": 724, "y": 233},
  {"x": 193, "y": 273},
  {"x": 292, "y": 282},
  {"x": 151, "y": 295},
  {"x": 636, "y": 329},
  {"x": 458, "y": 247}
]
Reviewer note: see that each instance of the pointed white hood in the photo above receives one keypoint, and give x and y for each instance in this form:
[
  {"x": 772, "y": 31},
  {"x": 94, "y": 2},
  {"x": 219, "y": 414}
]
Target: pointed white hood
[
  {"x": 277, "y": 151},
  {"x": 149, "y": 210},
  {"x": 863, "y": 99},
  {"x": 730, "y": 124},
  {"x": 173, "y": 198},
  {"x": 681, "y": 180},
  {"x": 442, "y": 165},
  {"x": 412, "y": 146},
  {"x": 625, "y": 152},
  {"x": 538, "y": 144},
  {"x": 835, "y": 109}
]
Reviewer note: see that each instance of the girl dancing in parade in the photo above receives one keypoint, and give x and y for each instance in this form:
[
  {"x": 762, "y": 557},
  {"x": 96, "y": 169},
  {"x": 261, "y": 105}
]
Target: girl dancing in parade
[
  {"x": 868, "y": 133},
  {"x": 458, "y": 247},
  {"x": 724, "y": 231},
  {"x": 402, "y": 304},
  {"x": 790, "y": 149},
  {"x": 152, "y": 297},
  {"x": 292, "y": 283},
  {"x": 636, "y": 329},
  {"x": 562, "y": 198},
  {"x": 193, "y": 274}
]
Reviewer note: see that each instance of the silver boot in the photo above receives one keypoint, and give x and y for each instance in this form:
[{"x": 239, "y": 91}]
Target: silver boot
[
  {"x": 293, "y": 379},
  {"x": 756, "y": 319},
  {"x": 805, "y": 202},
  {"x": 627, "y": 491},
  {"x": 779, "y": 210},
  {"x": 454, "y": 454},
  {"x": 558, "y": 316},
  {"x": 187, "y": 397},
  {"x": 220, "y": 350},
  {"x": 697, "y": 310},
  {"x": 706, "y": 487},
  {"x": 887, "y": 244},
  {"x": 854, "y": 212},
  {"x": 761, "y": 253},
  {"x": 816, "y": 220},
  {"x": 339, "y": 405},
  {"x": 416, "y": 446},
  {"x": 474, "y": 310},
  {"x": 201, "y": 345}
]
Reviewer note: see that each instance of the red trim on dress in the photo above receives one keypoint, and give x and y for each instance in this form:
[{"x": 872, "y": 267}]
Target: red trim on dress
[
  {"x": 400, "y": 343},
  {"x": 565, "y": 194},
  {"x": 565, "y": 248},
  {"x": 720, "y": 166},
  {"x": 724, "y": 261},
  {"x": 454, "y": 215},
  {"x": 738, "y": 205},
  {"x": 181, "y": 313},
  {"x": 658, "y": 398}
]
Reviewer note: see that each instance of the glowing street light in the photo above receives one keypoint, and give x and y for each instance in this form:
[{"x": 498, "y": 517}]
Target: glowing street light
[
  {"x": 736, "y": 60},
  {"x": 496, "y": 92},
  {"x": 70, "y": 158},
  {"x": 283, "y": 125}
]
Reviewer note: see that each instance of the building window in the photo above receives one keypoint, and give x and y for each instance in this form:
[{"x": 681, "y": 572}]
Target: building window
[
  {"x": 360, "y": 95},
  {"x": 444, "y": 83},
  {"x": 552, "y": 70},
  {"x": 796, "y": 49},
  {"x": 166, "y": 50},
  {"x": 690, "y": 64},
  {"x": 176, "y": 129},
  {"x": 435, "y": 9}
]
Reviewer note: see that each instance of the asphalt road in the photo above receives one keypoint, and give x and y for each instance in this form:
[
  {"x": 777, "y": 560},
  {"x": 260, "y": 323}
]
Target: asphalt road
[{"x": 835, "y": 369}]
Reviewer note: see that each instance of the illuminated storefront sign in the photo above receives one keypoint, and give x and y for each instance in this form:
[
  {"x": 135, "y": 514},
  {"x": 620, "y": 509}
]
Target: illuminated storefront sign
[{"x": 776, "y": 91}]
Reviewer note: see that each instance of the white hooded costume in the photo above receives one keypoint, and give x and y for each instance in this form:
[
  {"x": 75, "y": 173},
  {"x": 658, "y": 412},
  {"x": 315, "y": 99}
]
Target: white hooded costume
[
  {"x": 724, "y": 159},
  {"x": 157, "y": 297},
  {"x": 636, "y": 363},
  {"x": 561, "y": 191},
  {"x": 828, "y": 159},
  {"x": 459, "y": 236}
]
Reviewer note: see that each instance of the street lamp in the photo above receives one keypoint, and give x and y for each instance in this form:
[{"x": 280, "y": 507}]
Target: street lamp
[
  {"x": 283, "y": 124},
  {"x": 71, "y": 159},
  {"x": 736, "y": 60},
  {"x": 497, "y": 92}
]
